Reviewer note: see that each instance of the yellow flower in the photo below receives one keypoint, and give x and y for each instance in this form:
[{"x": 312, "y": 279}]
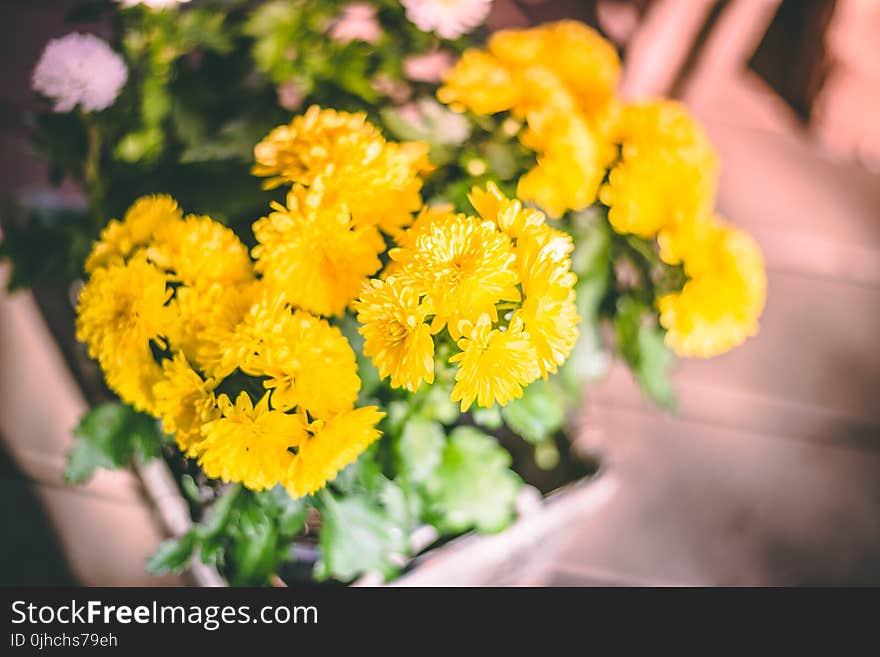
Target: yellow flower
[
  {"x": 120, "y": 238},
  {"x": 243, "y": 345},
  {"x": 552, "y": 328},
  {"x": 209, "y": 315},
  {"x": 667, "y": 172},
  {"x": 122, "y": 308},
  {"x": 310, "y": 366},
  {"x": 346, "y": 159},
  {"x": 720, "y": 304},
  {"x": 494, "y": 364},
  {"x": 586, "y": 64},
  {"x": 132, "y": 375},
  {"x": 480, "y": 83},
  {"x": 548, "y": 311},
  {"x": 250, "y": 444},
  {"x": 463, "y": 266},
  {"x": 570, "y": 165},
  {"x": 334, "y": 444},
  {"x": 396, "y": 336},
  {"x": 184, "y": 401},
  {"x": 199, "y": 251},
  {"x": 312, "y": 254},
  {"x": 509, "y": 215}
]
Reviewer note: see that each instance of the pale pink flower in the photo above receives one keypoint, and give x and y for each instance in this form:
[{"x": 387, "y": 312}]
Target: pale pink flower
[
  {"x": 430, "y": 67},
  {"x": 399, "y": 92},
  {"x": 447, "y": 18},
  {"x": 357, "y": 22},
  {"x": 152, "y": 4},
  {"x": 290, "y": 96},
  {"x": 79, "y": 69}
]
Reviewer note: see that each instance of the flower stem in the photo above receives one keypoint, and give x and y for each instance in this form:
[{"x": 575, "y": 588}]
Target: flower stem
[{"x": 92, "y": 172}]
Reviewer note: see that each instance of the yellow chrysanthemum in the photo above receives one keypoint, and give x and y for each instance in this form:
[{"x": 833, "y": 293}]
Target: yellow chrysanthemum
[
  {"x": 199, "y": 251},
  {"x": 548, "y": 310},
  {"x": 209, "y": 315},
  {"x": 250, "y": 444},
  {"x": 396, "y": 336},
  {"x": 334, "y": 444},
  {"x": 311, "y": 366},
  {"x": 585, "y": 63},
  {"x": 720, "y": 304},
  {"x": 314, "y": 256},
  {"x": 667, "y": 172},
  {"x": 480, "y": 83},
  {"x": 184, "y": 401},
  {"x": 122, "y": 308},
  {"x": 243, "y": 345},
  {"x": 120, "y": 238},
  {"x": 132, "y": 375},
  {"x": 511, "y": 217},
  {"x": 494, "y": 364},
  {"x": 346, "y": 159},
  {"x": 570, "y": 165},
  {"x": 463, "y": 266}
]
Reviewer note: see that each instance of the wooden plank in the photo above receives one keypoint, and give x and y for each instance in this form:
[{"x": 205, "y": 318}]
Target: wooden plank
[{"x": 701, "y": 504}]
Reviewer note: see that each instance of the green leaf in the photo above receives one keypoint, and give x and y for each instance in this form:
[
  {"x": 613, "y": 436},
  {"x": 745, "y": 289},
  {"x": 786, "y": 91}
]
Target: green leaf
[
  {"x": 221, "y": 512},
  {"x": 438, "y": 404},
  {"x": 488, "y": 418},
  {"x": 538, "y": 414},
  {"x": 356, "y": 537},
  {"x": 642, "y": 346},
  {"x": 420, "y": 448},
  {"x": 109, "y": 436},
  {"x": 255, "y": 549},
  {"x": 173, "y": 555},
  {"x": 473, "y": 485}
]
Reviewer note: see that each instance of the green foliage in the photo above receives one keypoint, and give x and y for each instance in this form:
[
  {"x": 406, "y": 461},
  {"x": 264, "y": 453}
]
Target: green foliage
[
  {"x": 110, "y": 436},
  {"x": 473, "y": 486},
  {"x": 44, "y": 244},
  {"x": 357, "y": 537},
  {"x": 246, "y": 534},
  {"x": 640, "y": 342},
  {"x": 538, "y": 414},
  {"x": 419, "y": 449}
]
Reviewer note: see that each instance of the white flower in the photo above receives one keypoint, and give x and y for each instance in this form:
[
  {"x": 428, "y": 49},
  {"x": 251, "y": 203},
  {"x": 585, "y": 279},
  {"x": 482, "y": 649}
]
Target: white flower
[
  {"x": 448, "y": 18},
  {"x": 357, "y": 22},
  {"x": 79, "y": 69},
  {"x": 152, "y": 4}
]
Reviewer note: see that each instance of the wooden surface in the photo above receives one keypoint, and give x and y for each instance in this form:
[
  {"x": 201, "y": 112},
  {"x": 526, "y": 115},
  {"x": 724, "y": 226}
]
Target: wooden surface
[{"x": 770, "y": 471}]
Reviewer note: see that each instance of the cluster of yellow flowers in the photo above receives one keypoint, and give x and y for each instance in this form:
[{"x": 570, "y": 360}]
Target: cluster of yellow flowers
[
  {"x": 232, "y": 354},
  {"x": 650, "y": 164},
  {"x": 348, "y": 186},
  {"x": 174, "y": 313},
  {"x": 500, "y": 284}
]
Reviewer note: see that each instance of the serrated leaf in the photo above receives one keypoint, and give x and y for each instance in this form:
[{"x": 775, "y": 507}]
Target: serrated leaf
[
  {"x": 109, "y": 436},
  {"x": 473, "y": 485},
  {"x": 255, "y": 550},
  {"x": 173, "y": 555},
  {"x": 356, "y": 537},
  {"x": 221, "y": 512},
  {"x": 420, "y": 448},
  {"x": 538, "y": 414}
]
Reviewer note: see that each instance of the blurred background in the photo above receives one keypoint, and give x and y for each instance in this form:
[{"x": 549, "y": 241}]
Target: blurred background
[{"x": 768, "y": 473}]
